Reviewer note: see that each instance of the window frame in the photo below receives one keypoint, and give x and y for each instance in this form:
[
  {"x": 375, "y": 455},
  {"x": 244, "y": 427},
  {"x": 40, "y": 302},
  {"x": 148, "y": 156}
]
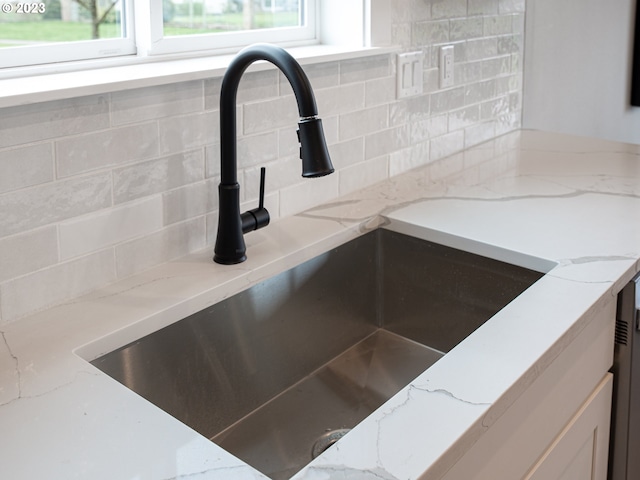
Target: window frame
[
  {"x": 368, "y": 33},
  {"x": 227, "y": 42},
  {"x": 58, "y": 52},
  {"x": 142, "y": 28}
]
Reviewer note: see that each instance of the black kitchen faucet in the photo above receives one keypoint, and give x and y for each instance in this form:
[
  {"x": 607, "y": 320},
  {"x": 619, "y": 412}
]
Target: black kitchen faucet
[{"x": 232, "y": 225}]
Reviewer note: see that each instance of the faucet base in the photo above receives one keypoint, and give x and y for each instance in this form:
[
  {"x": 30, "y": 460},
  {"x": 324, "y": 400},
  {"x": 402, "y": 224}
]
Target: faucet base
[
  {"x": 230, "y": 248},
  {"x": 229, "y": 261}
]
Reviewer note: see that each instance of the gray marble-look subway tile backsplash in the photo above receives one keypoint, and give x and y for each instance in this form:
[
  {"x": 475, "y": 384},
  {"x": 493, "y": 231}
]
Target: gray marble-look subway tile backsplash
[
  {"x": 470, "y": 72},
  {"x": 497, "y": 25},
  {"x": 509, "y": 44},
  {"x": 258, "y": 86},
  {"x": 143, "y": 104},
  {"x": 465, "y": 28},
  {"x": 212, "y": 93},
  {"x": 266, "y": 115},
  {"x": 255, "y": 149},
  {"x": 407, "y": 11},
  {"x": 321, "y": 75},
  {"x": 355, "y": 177},
  {"x": 288, "y": 139},
  {"x": 404, "y": 160},
  {"x": 187, "y": 132},
  {"x": 350, "y": 152},
  {"x": 447, "y": 100},
  {"x": 386, "y": 141},
  {"x": 480, "y": 91},
  {"x": 380, "y": 91},
  {"x": 34, "y": 207},
  {"x": 447, "y": 144},
  {"x": 518, "y": 24},
  {"x": 55, "y": 284},
  {"x": 117, "y": 146},
  {"x": 496, "y": 67},
  {"x": 340, "y": 99},
  {"x": 448, "y": 8},
  {"x": 507, "y": 123},
  {"x": 362, "y": 122},
  {"x": 157, "y": 176},
  {"x": 174, "y": 241},
  {"x": 401, "y": 34},
  {"x": 25, "y": 166},
  {"x": 482, "y": 7},
  {"x": 511, "y": 83},
  {"x": 24, "y": 253},
  {"x": 43, "y": 121},
  {"x": 511, "y": 6},
  {"x": 330, "y": 124},
  {"x": 410, "y": 110},
  {"x": 427, "y": 33},
  {"x": 212, "y": 161},
  {"x": 107, "y": 227},
  {"x": 477, "y": 49},
  {"x": 306, "y": 194},
  {"x": 494, "y": 107},
  {"x": 367, "y": 68},
  {"x": 189, "y": 201},
  {"x": 429, "y": 128},
  {"x": 479, "y": 132},
  {"x": 464, "y": 117}
]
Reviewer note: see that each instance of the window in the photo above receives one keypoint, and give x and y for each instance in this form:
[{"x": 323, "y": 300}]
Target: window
[
  {"x": 190, "y": 25},
  {"x": 62, "y": 30},
  {"x": 51, "y": 31}
]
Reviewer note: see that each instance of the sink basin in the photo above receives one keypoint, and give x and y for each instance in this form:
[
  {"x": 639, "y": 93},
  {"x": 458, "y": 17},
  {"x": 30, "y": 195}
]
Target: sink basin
[{"x": 281, "y": 371}]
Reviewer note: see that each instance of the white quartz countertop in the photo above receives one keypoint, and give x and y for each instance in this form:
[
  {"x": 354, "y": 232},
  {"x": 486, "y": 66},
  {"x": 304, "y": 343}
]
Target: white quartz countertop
[{"x": 565, "y": 204}]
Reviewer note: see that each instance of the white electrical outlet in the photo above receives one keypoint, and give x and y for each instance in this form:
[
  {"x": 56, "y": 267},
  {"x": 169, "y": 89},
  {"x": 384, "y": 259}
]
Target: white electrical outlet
[
  {"x": 446, "y": 66},
  {"x": 409, "y": 74}
]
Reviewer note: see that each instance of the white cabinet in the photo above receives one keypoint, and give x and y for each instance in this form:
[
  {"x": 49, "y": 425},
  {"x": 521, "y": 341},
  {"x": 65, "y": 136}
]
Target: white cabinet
[
  {"x": 557, "y": 426},
  {"x": 581, "y": 449}
]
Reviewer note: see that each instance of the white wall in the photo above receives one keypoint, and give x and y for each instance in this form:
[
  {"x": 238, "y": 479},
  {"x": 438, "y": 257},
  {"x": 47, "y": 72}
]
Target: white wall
[{"x": 577, "y": 69}]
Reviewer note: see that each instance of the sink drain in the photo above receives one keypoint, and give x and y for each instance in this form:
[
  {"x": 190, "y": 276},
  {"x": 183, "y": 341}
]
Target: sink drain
[{"x": 326, "y": 440}]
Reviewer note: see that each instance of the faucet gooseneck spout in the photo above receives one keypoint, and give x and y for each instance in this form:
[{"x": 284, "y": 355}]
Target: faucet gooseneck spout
[{"x": 230, "y": 247}]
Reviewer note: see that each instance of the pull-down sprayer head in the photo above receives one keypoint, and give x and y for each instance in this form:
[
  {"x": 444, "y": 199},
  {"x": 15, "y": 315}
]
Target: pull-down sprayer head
[{"x": 313, "y": 148}]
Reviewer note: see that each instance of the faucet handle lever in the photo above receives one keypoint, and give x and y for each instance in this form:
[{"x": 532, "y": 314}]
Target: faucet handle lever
[
  {"x": 263, "y": 174},
  {"x": 256, "y": 217}
]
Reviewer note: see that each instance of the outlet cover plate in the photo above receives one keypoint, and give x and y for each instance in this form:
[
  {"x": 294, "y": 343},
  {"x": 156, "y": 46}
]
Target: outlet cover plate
[{"x": 446, "y": 66}]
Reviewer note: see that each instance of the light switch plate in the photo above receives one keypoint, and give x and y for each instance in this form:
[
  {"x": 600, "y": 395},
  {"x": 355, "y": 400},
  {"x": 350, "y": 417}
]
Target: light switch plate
[{"x": 409, "y": 74}]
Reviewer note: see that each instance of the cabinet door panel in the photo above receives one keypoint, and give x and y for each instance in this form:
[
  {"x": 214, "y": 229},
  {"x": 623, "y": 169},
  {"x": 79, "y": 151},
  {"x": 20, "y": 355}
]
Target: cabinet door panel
[
  {"x": 581, "y": 466},
  {"x": 582, "y": 448},
  {"x": 523, "y": 433}
]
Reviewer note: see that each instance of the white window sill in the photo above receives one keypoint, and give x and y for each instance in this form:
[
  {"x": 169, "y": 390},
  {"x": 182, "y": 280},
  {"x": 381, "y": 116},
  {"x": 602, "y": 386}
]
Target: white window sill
[{"x": 35, "y": 86}]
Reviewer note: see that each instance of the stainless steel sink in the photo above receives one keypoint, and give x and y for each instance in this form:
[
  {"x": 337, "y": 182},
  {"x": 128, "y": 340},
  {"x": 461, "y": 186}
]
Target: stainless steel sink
[{"x": 277, "y": 373}]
